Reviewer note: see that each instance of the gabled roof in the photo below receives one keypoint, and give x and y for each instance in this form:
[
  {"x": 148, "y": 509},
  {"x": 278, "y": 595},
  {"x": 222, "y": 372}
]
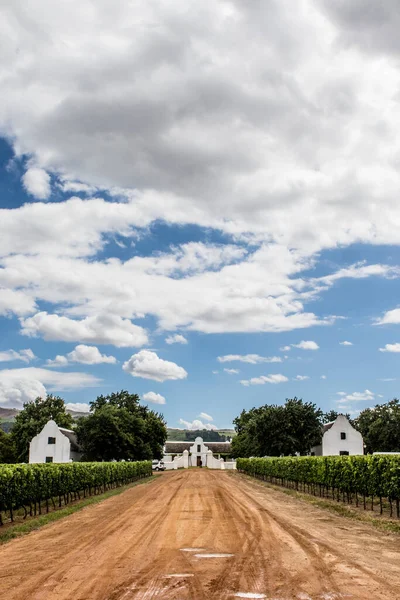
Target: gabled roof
[
  {"x": 71, "y": 435},
  {"x": 327, "y": 426},
  {"x": 178, "y": 447}
]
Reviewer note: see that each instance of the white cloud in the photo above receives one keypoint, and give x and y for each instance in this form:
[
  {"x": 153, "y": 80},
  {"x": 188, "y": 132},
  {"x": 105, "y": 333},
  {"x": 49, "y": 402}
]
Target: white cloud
[
  {"x": 215, "y": 372},
  {"x": 341, "y": 393},
  {"x": 302, "y": 377},
  {"x": 22, "y": 385},
  {"x": 282, "y": 151},
  {"x": 78, "y": 406},
  {"x": 154, "y": 398},
  {"x": 391, "y": 317},
  {"x": 24, "y": 355},
  {"x": 232, "y": 371},
  {"x": 345, "y": 343},
  {"x": 380, "y": 396},
  {"x": 323, "y": 376},
  {"x": 276, "y": 378},
  {"x": 148, "y": 365},
  {"x": 253, "y": 359},
  {"x": 306, "y": 345},
  {"x": 357, "y": 396},
  {"x": 390, "y": 348},
  {"x": 104, "y": 329},
  {"x": 388, "y": 379},
  {"x": 15, "y": 392},
  {"x": 37, "y": 183},
  {"x": 176, "y": 339},
  {"x": 86, "y": 355},
  {"x": 197, "y": 424},
  {"x": 205, "y": 416},
  {"x": 285, "y": 348}
]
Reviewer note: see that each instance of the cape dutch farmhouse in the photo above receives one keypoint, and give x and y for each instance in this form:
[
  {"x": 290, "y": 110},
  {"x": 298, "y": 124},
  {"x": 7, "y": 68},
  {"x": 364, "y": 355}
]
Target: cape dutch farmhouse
[
  {"x": 339, "y": 438},
  {"x": 54, "y": 444}
]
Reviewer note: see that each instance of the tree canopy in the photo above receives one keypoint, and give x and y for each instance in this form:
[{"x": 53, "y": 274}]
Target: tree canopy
[
  {"x": 272, "y": 430},
  {"x": 7, "y": 448},
  {"x": 31, "y": 420},
  {"x": 118, "y": 427},
  {"x": 380, "y": 427}
]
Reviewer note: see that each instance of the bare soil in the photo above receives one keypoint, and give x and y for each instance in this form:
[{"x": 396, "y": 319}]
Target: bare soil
[{"x": 202, "y": 535}]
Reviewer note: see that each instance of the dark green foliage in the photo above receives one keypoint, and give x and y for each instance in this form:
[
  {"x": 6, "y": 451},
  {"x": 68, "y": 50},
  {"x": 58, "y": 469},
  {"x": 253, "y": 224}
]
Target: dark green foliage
[
  {"x": 30, "y": 485},
  {"x": 31, "y": 420},
  {"x": 273, "y": 430},
  {"x": 7, "y": 448},
  {"x": 365, "y": 475},
  {"x": 118, "y": 427},
  {"x": 380, "y": 427}
]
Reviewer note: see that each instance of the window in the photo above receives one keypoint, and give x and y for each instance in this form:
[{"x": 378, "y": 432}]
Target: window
[
  {"x": 198, "y": 448},
  {"x": 342, "y": 435},
  {"x": 49, "y": 459},
  {"x": 344, "y": 453},
  {"x": 312, "y": 454},
  {"x": 51, "y": 440}
]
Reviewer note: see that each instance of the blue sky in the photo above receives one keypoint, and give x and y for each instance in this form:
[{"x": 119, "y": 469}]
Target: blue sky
[{"x": 251, "y": 208}]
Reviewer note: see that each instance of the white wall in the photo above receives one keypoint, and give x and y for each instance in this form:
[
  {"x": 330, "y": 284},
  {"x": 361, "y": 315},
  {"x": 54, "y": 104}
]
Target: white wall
[
  {"x": 194, "y": 453},
  {"x": 332, "y": 443},
  {"x": 39, "y": 447}
]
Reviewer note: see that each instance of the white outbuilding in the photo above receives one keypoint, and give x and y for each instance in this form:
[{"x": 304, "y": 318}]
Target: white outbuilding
[
  {"x": 54, "y": 444},
  {"x": 339, "y": 438}
]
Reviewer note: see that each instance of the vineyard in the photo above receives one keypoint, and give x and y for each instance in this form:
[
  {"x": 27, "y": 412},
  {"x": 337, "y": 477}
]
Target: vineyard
[
  {"x": 37, "y": 487},
  {"x": 352, "y": 479}
]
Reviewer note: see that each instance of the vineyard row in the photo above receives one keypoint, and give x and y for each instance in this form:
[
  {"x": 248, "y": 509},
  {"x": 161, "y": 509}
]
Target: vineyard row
[
  {"x": 29, "y": 487},
  {"x": 353, "y": 479}
]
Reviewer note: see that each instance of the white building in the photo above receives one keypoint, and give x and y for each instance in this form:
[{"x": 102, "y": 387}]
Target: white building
[
  {"x": 339, "y": 438},
  {"x": 198, "y": 454},
  {"x": 54, "y": 444}
]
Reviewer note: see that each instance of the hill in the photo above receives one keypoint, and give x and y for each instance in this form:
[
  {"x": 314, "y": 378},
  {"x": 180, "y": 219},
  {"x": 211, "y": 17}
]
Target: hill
[{"x": 182, "y": 435}]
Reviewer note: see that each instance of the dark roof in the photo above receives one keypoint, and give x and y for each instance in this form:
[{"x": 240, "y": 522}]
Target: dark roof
[
  {"x": 327, "y": 426},
  {"x": 179, "y": 447},
  {"x": 71, "y": 435}
]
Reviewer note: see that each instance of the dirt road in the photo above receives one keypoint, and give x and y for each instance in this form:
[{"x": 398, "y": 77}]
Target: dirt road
[{"x": 201, "y": 535}]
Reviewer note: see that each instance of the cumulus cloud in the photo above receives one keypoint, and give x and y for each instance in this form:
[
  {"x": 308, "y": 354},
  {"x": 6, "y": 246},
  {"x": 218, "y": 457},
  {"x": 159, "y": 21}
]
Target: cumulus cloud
[
  {"x": 345, "y": 343},
  {"x": 37, "y": 183},
  {"x": 390, "y": 348},
  {"x": 176, "y": 339},
  {"x": 253, "y": 359},
  {"x": 205, "y": 416},
  {"x": 197, "y": 424},
  {"x": 301, "y": 377},
  {"x": 232, "y": 371},
  {"x": 306, "y": 345},
  {"x": 391, "y": 317},
  {"x": 323, "y": 376},
  {"x": 86, "y": 355},
  {"x": 148, "y": 365},
  {"x": 24, "y": 355},
  {"x": 23, "y": 385},
  {"x": 16, "y": 302},
  {"x": 276, "y": 378},
  {"x": 104, "y": 329},
  {"x": 154, "y": 398},
  {"x": 78, "y": 407},
  {"x": 285, "y": 348},
  {"x": 357, "y": 396}
]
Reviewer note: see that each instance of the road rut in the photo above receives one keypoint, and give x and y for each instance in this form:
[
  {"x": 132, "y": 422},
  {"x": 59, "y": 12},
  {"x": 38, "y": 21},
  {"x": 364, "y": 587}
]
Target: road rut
[{"x": 201, "y": 535}]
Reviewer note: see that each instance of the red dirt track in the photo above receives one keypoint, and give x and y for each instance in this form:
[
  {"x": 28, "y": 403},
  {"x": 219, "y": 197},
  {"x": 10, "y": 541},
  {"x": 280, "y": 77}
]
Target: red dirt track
[{"x": 130, "y": 547}]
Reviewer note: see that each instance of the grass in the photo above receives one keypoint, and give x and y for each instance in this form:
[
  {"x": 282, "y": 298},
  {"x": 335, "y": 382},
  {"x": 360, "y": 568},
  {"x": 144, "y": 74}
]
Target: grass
[
  {"x": 11, "y": 531},
  {"x": 344, "y": 510}
]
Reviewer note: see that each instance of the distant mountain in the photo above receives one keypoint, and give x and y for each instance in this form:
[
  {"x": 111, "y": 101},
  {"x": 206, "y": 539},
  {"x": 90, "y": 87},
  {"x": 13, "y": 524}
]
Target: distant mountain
[
  {"x": 8, "y": 414},
  {"x": 7, "y": 417}
]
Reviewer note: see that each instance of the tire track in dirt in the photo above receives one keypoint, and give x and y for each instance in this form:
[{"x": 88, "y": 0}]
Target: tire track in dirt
[{"x": 130, "y": 547}]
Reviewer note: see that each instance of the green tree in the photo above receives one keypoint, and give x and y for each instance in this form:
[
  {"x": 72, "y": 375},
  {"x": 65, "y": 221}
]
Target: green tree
[
  {"x": 273, "y": 430},
  {"x": 31, "y": 420},
  {"x": 332, "y": 415},
  {"x": 7, "y": 448},
  {"x": 380, "y": 427},
  {"x": 118, "y": 427}
]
